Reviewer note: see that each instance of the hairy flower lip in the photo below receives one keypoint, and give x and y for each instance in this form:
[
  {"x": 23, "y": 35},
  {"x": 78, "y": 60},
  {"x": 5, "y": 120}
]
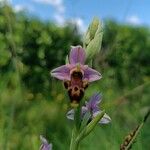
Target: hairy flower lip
[{"x": 76, "y": 61}]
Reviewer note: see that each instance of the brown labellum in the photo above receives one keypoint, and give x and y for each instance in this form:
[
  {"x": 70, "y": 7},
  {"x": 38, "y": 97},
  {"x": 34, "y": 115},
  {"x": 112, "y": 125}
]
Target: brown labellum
[{"x": 76, "y": 87}]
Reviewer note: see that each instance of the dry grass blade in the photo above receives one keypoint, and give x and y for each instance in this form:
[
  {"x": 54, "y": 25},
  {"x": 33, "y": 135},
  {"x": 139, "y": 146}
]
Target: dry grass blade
[{"x": 130, "y": 138}]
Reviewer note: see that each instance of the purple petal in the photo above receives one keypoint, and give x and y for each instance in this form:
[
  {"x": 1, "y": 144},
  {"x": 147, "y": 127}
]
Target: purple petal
[
  {"x": 91, "y": 74},
  {"x": 61, "y": 73},
  {"x": 77, "y": 55},
  {"x": 45, "y": 145},
  {"x": 93, "y": 102}
]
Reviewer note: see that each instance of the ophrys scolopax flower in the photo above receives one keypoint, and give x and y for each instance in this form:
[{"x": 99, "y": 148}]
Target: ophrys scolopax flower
[{"x": 76, "y": 75}]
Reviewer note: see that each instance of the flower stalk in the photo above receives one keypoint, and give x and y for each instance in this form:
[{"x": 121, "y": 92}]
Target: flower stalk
[{"x": 74, "y": 143}]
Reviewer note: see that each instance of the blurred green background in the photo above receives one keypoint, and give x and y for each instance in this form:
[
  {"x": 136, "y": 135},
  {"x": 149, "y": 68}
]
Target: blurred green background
[{"x": 32, "y": 103}]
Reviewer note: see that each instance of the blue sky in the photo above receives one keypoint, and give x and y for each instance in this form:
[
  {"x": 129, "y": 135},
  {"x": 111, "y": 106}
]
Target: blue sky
[{"x": 136, "y": 12}]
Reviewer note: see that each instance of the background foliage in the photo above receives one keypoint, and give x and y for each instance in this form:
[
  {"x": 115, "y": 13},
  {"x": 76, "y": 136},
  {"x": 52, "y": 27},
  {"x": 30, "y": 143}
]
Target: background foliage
[{"x": 32, "y": 103}]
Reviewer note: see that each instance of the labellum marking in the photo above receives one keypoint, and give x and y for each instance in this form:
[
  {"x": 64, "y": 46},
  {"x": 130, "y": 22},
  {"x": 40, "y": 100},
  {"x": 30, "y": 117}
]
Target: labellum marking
[{"x": 76, "y": 87}]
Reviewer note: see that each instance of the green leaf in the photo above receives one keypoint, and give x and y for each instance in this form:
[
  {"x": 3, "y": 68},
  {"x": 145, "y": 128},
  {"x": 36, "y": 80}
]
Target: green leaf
[
  {"x": 90, "y": 126},
  {"x": 94, "y": 122},
  {"x": 85, "y": 120}
]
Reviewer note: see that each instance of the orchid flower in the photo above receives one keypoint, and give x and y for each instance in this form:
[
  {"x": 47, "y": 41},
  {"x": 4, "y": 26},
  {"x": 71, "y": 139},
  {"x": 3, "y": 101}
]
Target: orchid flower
[
  {"x": 77, "y": 59},
  {"x": 76, "y": 75},
  {"x": 45, "y": 145},
  {"x": 93, "y": 108}
]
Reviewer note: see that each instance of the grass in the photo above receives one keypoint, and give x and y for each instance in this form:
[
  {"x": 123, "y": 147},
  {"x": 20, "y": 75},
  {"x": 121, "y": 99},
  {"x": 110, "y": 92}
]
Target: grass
[{"x": 22, "y": 119}]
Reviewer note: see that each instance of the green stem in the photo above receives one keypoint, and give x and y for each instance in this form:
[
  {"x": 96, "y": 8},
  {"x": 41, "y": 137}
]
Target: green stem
[
  {"x": 77, "y": 120},
  {"x": 74, "y": 144}
]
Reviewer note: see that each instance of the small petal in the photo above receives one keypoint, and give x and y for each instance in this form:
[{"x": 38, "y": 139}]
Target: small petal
[
  {"x": 77, "y": 55},
  {"x": 84, "y": 110},
  {"x": 94, "y": 101},
  {"x": 43, "y": 140},
  {"x": 45, "y": 145},
  {"x": 106, "y": 119},
  {"x": 70, "y": 114},
  {"x": 91, "y": 74},
  {"x": 61, "y": 73}
]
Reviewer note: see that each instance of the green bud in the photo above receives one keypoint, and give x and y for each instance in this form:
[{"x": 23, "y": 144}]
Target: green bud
[
  {"x": 93, "y": 27},
  {"x": 93, "y": 39},
  {"x": 67, "y": 60}
]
